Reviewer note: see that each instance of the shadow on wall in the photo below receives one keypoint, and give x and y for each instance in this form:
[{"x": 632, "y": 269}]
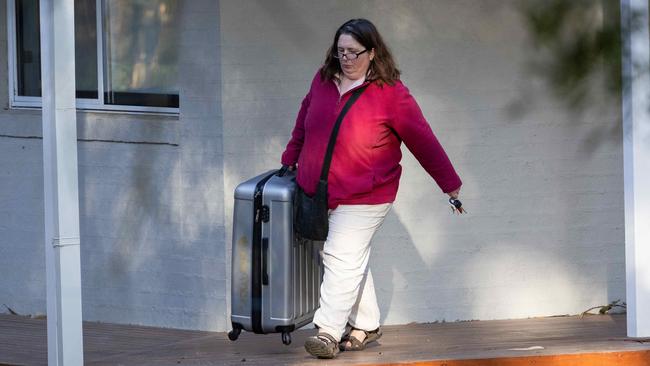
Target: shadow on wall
[
  {"x": 503, "y": 260},
  {"x": 127, "y": 204},
  {"x": 576, "y": 49},
  {"x": 151, "y": 213},
  {"x": 128, "y": 220},
  {"x": 398, "y": 271}
]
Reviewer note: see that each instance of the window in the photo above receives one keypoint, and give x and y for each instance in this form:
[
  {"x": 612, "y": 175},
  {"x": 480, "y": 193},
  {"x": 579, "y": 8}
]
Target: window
[{"x": 126, "y": 54}]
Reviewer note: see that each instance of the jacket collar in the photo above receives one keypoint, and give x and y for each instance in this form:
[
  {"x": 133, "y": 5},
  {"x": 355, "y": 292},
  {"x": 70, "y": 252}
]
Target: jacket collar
[{"x": 357, "y": 84}]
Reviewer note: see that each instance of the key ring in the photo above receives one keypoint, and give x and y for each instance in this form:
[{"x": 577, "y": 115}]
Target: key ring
[{"x": 456, "y": 206}]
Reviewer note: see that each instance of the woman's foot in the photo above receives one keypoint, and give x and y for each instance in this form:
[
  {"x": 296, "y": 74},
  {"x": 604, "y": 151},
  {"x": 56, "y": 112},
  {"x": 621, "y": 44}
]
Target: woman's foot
[
  {"x": 357, "y": 339},
  {"x": 322, "y": 345}
]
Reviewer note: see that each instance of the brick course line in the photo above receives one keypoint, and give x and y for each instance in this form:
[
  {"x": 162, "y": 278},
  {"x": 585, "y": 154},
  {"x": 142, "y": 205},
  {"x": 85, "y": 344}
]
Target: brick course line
[{"x": 97, "y": 140}]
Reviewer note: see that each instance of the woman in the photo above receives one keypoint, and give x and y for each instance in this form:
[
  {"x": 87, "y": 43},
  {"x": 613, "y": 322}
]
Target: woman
[{"x": 363, "y": 177}]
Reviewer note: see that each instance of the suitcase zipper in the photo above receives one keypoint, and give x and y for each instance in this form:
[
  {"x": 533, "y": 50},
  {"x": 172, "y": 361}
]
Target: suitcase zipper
[{"x": 258, "y": 267}]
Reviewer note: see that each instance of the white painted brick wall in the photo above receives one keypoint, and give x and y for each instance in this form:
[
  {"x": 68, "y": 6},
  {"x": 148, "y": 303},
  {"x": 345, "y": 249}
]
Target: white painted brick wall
[
  {"x": 152, "y": 224},
  {"x": 545, "y": 231},
  {"x": 544, "y": 234}
]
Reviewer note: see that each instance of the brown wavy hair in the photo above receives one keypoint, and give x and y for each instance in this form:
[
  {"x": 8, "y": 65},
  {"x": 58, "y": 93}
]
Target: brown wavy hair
[{"x": 382, "y": 67}]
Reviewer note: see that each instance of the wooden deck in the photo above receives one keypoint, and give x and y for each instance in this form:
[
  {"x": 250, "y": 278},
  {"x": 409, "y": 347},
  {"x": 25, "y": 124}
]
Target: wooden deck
[{"x": 558, "y": 341}]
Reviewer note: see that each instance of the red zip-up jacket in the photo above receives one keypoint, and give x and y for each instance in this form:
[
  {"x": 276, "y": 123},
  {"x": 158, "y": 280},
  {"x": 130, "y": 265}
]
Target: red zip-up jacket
[{"x": 365, "y": 165}]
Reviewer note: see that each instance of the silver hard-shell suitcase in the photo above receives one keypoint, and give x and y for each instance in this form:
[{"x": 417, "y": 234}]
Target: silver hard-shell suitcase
[{"x": 275, "y": 277}]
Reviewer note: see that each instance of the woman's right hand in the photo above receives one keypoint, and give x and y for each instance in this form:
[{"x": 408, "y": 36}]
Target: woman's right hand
[{"x": 292, "y": 168}]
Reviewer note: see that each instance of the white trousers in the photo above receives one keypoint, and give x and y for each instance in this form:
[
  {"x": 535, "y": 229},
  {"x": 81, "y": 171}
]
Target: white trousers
[{"x": 347, "y": 293}]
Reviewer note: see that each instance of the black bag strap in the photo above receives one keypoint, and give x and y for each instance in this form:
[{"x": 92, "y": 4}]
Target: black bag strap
[{"x": 330, "y": 146}]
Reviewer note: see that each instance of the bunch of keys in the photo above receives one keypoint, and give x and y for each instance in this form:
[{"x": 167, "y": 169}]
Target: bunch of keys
[{"x": 456, "y": 206}]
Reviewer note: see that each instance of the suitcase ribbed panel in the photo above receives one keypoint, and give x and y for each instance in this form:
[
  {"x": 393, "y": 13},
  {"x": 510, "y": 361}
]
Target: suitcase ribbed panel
[
  {"x": 317, "y": 274},
  {"x": 296, "y": 280},
  {"x": 309, "y": 274},
  {"x": 304, "y": 274},
  {"x": 309, "y": 301}
]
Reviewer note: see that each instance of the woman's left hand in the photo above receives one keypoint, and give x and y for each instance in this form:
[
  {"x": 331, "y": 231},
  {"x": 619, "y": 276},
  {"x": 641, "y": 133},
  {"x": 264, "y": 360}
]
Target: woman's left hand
[{"x": 456, "y": 205}]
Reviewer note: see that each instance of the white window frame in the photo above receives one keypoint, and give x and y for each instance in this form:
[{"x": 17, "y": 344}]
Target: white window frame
[{"x": 17, "y": 101}]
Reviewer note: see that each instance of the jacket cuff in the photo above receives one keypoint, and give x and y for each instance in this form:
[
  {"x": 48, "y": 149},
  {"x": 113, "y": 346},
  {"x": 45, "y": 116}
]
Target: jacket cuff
[
  {"x": 286, "y": 160},
  {"x": 452, "y": 185}
]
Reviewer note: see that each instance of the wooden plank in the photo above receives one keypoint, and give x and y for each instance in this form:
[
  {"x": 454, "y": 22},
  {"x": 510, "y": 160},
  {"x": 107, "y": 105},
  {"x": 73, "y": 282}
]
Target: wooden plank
[
  {"x": 632, "y": 358},
  {"x": 22, "y": 341}
]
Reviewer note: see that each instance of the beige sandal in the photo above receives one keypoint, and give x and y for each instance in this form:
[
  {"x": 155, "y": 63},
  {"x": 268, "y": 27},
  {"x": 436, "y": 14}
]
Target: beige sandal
[{"x": 322, "y": 345}]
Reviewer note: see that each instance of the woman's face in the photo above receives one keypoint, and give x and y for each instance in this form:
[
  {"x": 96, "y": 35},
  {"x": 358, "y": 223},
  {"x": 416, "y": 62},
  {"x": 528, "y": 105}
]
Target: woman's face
[{"x": 356, "y": 68}]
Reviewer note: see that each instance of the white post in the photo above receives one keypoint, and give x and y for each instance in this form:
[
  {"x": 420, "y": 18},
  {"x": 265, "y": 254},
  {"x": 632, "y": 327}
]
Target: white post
[
  {"x": 62, "y": 243},
  {"x": 636, "y": 146}
]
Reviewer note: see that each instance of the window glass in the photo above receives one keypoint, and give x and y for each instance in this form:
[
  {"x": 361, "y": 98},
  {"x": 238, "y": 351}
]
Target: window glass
[
  {"x": 85, "y": 35},
  {"x": 28, "y": 48},
  {"x": 140, "y": 51},
  {"x": 141, "y": 44}
]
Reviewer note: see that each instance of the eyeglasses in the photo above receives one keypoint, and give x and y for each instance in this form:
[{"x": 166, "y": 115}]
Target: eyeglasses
[{"x": 349, "y": 56}]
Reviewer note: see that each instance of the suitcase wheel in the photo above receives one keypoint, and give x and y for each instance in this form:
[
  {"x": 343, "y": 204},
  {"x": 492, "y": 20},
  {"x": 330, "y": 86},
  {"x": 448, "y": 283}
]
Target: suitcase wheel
[
  {"x": 286, "y": 338},
  {"x": 234, "y": 334}
]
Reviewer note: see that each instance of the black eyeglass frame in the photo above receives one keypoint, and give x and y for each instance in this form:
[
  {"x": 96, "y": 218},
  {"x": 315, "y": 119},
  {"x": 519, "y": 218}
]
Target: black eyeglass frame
[{"x": 340, "y": 55}]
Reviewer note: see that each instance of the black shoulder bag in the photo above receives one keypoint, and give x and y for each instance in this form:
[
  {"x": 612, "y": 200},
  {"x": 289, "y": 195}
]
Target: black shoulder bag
[{"x": 311, "y": 213}]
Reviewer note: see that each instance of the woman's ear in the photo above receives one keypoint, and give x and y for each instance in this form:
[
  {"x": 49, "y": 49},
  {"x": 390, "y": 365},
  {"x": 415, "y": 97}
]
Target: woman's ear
[{"x": 372, "y": 54}]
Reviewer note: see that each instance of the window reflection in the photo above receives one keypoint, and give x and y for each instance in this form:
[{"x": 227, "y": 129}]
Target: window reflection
[{"x": 141, "y": 51}]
